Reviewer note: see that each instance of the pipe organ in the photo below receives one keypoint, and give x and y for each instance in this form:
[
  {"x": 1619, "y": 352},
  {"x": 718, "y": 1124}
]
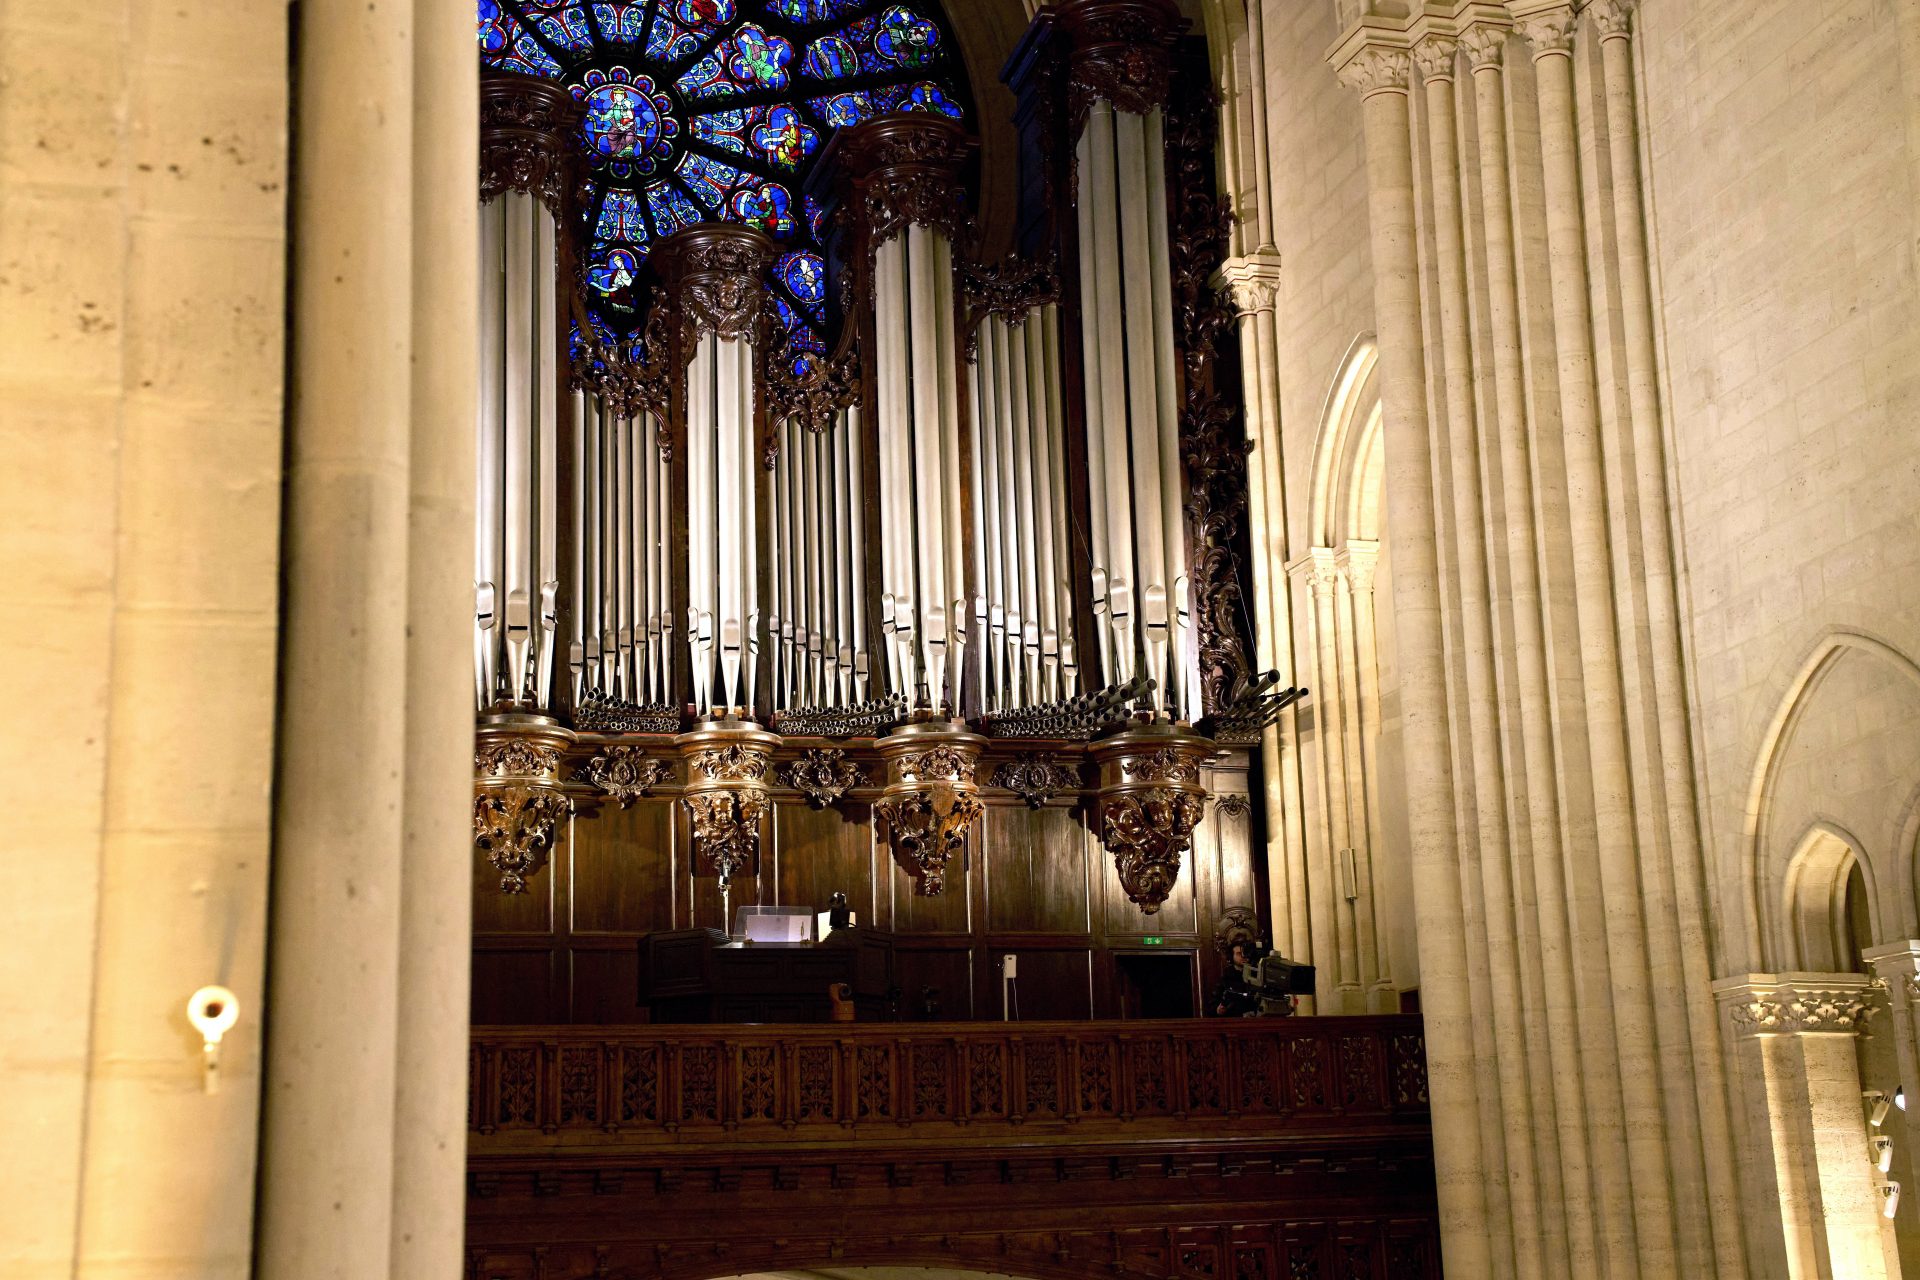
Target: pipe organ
[{"x": 957, "y": 546}]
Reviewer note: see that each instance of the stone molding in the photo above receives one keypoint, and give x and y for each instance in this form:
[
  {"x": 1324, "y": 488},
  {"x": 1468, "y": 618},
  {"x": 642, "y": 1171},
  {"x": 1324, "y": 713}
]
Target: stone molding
[{"x": 1800, "y": 1003}]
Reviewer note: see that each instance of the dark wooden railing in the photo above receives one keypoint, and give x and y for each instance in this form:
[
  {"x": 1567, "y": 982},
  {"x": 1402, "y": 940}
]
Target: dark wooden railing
[{"x": 644, "y": 1088}]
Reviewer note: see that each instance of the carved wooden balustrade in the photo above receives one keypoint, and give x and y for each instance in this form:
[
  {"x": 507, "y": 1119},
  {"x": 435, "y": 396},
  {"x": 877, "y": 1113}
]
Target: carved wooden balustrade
[
  {"x": 1258, "y": 1149},
  {"x": 649, "y": 1087}
]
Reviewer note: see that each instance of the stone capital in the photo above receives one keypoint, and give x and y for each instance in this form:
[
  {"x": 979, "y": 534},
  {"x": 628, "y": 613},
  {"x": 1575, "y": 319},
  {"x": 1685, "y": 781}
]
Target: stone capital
[
  {"x": 1761, "y": 1004},
  {"x": 1613, "y": 19},
  {"x": 1376, "y": 68},
  {"x": 1254, "y": 279},
  {"x": 1433, "y": 58},
  {"x": 1358, "y": 559},
  {"x": 1547, "y": 31},
  {"x": 1897, "y": 964},
  {"x": 1485, "y": 45}
]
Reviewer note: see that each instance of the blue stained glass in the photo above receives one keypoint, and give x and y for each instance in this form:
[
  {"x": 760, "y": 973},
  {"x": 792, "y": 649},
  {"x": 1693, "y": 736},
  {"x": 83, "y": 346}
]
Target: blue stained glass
[
  {"x": 843, "y": 109},
  {"x": 804, "y": 273},
  {"x": 710, "y": 180},
  {"x": 831, "y": 58},
  {"x": 814, "y": 10},
  {"x": 668, "y": 41},
  {"x": 749, "y": 60},
  {"x": 570, "y": 29},
  {"x": 670, "y": 208},
  {"x": 915, "y": 97},
  {"x": 623, "y": 60},
  {"x": 766, "y": 205},
  {"x": 620, "y": 23},
  {"x": 614, "y": 276},
  {"x": 620, "y": 218}
]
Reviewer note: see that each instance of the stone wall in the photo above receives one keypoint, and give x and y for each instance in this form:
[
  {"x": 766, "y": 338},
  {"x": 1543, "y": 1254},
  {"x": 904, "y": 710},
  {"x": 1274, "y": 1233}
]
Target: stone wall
[{"x": 143, "y": 168}]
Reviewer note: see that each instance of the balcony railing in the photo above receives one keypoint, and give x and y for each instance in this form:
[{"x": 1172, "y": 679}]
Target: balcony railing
[{"x": 643, "y": 1088}]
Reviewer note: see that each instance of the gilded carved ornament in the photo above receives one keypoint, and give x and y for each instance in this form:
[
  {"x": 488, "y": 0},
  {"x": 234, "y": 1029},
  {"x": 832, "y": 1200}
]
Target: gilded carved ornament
[
  {"x": 823, "y": 775},
  {"x": 627, "y": 773},
  {"x": 931, "y": 800}
]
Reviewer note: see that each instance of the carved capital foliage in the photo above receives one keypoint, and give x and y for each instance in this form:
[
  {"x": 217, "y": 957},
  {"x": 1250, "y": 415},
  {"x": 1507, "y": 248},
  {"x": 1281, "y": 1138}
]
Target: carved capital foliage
[
  {"x": 813, "y": 400},
  {"x": 1147, "y": 831},
  {"x": 824, "y": 775},
  {"x": 1168, "y": 764},
  {"x": 526, "y": 130},
  {"x": 627, "y": 773},
  {"x": 726, "y": 827},
  {"x": 1485, "y": 45},
  {"x": 1254, "y": 280},
  {"x": 1377, "y": 69},
  {"x": 1037, "y": 779},
  {"x": 937, "y": 764},
  {"x": 514, "y": 826},
  {"x": 1550, "y": 32},
  {"x": 1613, "y": 19},
  {"x": 1797, "y": 1008},
  {"x": 1433, "y": 58},
  {"x": 1120, "y": 51}
]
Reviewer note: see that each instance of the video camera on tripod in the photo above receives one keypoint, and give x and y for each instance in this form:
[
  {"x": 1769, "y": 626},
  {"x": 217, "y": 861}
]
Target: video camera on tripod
[{"x": 1276, "y": 981}]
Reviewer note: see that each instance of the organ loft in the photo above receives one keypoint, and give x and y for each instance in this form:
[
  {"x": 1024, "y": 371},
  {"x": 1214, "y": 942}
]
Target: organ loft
[{"x": 960, "y": 640}]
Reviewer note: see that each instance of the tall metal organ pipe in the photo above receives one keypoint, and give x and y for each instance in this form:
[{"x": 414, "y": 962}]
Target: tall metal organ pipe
[
  {"x": 620, "y": 622},
  {"x": 516, "y": 546},
  {"x": 1141, "y": 583},
  {"x": 820, "y": 573},
  {"x": 713, "y": 285},
  {"x": 1020, "y": 543}
]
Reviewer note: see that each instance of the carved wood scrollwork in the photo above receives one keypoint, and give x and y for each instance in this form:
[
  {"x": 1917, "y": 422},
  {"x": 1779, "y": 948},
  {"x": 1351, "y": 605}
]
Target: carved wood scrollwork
[
  {"x": 1149, "y": 802},
  {"x": 931, "y": 800},
  {"x": 1122, "y": 51},
  {"x": 526, "y": 138},
  {"x": 823, "y": 775},
  {"x": 1009, "y": 289},
  {"x": 1213, "y": 444},
  {"x": 518, "y": 801},
  {"x": 1036, "y": 779},
  {"x": 726, "y": 796},
  {"x": 627, "y": 773}
]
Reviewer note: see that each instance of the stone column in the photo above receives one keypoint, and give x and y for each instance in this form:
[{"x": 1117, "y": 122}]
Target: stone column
[
  {"x": 1470, "y": 1223},
  {"x": 1801, "y": 1029},
  {"x": 436, "y": 861},
  {"x": 375, "y": 727},
  {"x": 1255, "y": 280}
]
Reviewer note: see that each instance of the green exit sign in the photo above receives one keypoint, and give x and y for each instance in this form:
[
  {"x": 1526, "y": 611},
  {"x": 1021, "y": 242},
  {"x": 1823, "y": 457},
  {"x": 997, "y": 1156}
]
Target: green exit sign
[{"x": 1152, "y": 941}]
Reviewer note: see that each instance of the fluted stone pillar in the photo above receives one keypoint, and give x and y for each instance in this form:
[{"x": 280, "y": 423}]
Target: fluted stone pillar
[
  {"x": 1552, "y": 651},
  {"x": 1472, "y": 1219},
  {"x": 361, "y": 1162}
]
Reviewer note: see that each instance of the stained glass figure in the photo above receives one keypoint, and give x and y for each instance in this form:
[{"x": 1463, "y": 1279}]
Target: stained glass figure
[{"x": 698, "y": 109}]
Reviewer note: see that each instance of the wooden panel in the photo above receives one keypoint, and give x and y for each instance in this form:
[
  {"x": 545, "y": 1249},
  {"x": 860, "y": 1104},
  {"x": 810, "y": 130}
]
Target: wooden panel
[
  {"x": 823, "y": 851},
  {"x": 1036, "y": 870},
  {"x": 511, "y": 985},
  {"x": 949, "y": 969},
  {"x": 946, "y": 914},
  {"x": 1050, "y": 985},
  {"x": 606, "y": 981},
  {"x": 623, "y": 868}
]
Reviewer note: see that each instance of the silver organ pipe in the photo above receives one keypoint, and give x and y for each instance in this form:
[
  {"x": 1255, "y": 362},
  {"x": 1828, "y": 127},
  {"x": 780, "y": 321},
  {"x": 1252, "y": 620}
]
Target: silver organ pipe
[
  {"x": 516, "y": 545},
  {"x": 1021, "y": 545},
  {"x": 820, "y": 579},
  {"x": 1133, "y": 430},
  {"x": 848, "y": 432}
]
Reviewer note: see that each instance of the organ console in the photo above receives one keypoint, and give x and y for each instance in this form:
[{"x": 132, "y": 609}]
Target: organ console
[{"x": 998, "y": 508}]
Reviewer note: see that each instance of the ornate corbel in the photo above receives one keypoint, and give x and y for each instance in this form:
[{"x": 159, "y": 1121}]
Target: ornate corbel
[
  {"x": 519, "y": 802},
  {"x": 1036, "y": 779},
  {"x": 726, "y": 793},
  {"x": 1119, "y": 50},
  {"x": 822, "y": 774},
  {"x": 527, "y": 128},
  {"x": 931, "y": 800},
  {"x": 902, "y": 170},
  {"x": 1150, "y": 800},
  {"x": 1801, "y": 1003}
]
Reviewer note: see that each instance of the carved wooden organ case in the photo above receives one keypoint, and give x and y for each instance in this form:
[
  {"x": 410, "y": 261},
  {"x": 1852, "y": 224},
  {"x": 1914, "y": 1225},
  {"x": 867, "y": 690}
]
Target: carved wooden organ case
[{"x": 990, "y": 541}]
